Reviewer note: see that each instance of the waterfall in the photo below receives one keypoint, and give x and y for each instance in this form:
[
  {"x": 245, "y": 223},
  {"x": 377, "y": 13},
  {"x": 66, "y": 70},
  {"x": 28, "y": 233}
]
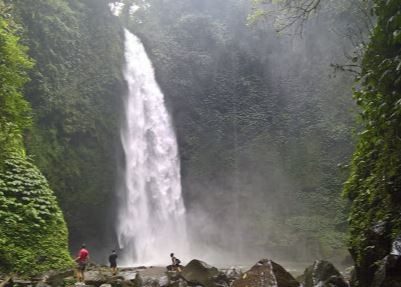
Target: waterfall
[{"x": 151, "y": 219}]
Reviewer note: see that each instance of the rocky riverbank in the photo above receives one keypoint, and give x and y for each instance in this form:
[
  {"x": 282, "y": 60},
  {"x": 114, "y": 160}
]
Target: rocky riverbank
[{"x": 265, "y": 273}]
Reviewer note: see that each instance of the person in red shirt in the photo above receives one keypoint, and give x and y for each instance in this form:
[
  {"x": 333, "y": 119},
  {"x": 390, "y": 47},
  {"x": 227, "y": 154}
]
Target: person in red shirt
[{"x": 82, "y": 259}]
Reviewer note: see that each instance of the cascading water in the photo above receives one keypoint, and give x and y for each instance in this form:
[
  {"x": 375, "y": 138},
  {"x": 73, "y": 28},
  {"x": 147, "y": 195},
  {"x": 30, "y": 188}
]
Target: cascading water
[{"x": 151, "y": 221}]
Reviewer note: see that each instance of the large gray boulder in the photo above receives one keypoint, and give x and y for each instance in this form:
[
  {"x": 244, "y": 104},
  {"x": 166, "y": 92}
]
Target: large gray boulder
[
  {"x": 323, "y": 274},
  {"x": 200, "y": 273},
  {"x": 232, "y": 275},
  {"x": 81, "y": 284},
  {"x": 56, "y": 278},
  {"x": 128, "y": 280},
  {"x": 266, "y": 273},
  {"x": 95, "y": 278},
  {"x": 388, "y": 273}
]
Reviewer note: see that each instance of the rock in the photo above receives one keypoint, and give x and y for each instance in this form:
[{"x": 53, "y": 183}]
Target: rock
[
  {"x": 150, "y": 282},
  {"x": 231, "y": 275},
  {"x": 199, "y": 272},
  {"x": 352, "y": 278},
  {"x": 396, "y": 246},
  {"x": 323, "y": 274},
  {"x": 95, "y": 278},
  {"x": 22, "y": 283},
  {"x": 388, "y": 274},
  {"x": 122, "y": 281},
  {"x": 163, "y": 281},
  {"x": 266, "y": 273},
  {"x": 128, "y": 283},
  {"x": 178, "y": 283},
  {"x": 68, "y": 281},
  {"x": 373, "y": 248},
  {"x": 6, "y": 282},
  {"x": 137, "y": 281},
  {"x": 81, "y": 284},
  {"x": 380, "y": 266},
  {"x": 56, "y": 278},
  {"x": 142, "y": 267},
  {"x": 105, "y": 285},
  {"x": 172, "y": 276},
  {"x": 114, "y": 281}
]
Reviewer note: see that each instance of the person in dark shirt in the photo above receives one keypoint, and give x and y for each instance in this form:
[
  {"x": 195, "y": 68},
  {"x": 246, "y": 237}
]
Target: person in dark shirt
[
  {"x": 175, "y": 263},
  {"x": 113, "y": 262}
]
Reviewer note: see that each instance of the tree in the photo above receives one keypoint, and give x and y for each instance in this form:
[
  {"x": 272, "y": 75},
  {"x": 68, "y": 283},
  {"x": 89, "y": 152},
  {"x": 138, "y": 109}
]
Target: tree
[{"x": 15, "y": 112}]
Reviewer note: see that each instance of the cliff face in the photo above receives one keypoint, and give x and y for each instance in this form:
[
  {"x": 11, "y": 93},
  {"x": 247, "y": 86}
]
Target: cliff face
[
  {"x": 374, "y": 185},
  {"x": 33, "y": 234},
  {"x": 75, "y": 93}
]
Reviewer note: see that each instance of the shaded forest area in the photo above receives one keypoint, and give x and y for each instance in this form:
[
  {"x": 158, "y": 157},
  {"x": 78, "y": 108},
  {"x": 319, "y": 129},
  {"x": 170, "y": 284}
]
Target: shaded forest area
[{"x": 262, "y": 121}]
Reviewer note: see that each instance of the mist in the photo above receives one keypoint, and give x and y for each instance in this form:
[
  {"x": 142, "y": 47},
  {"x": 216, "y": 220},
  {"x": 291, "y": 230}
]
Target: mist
[{"x": 262, "y": 120}]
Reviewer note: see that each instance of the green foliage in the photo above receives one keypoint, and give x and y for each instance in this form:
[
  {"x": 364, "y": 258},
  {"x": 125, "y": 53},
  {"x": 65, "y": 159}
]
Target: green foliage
[
  {"x": 15, "y": 111},
  {"x": 260, "y": 123},
  {"x": 374, "y": 185},
  {"x": 75, "y": 96},
  {"x": 33, "y": 233}
]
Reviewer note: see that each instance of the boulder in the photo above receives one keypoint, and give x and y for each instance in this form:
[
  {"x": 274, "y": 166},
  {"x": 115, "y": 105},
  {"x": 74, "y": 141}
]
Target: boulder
[
  {"x": 115, "y": 281},
  {"x": 172, "y": 276},
  {"x": 233, "y": 274},
  {"x": 6, "y": 282},
  {"x": 353, "y": 281},
  {"x": 137, "y": 281},
  {"x": 95, "y": 278},
  {"x": 22, "y": 283},
  {"x": 266, "y": 273},
  {"x": 150, "y": 282},
  {"x": 396, "y": 246},
  {"x": 121, "y": 283},
  {"x": 56, "y": 278},
  {"x": 163, "y": 281},
  {"x": 323, "y": 274},
  {"x": 68, "y": 281},
  {"x": 81, "y": 284},
  {"x": 388, "y": 273},
  {"x": 125, "y": 280},
  {"x": 199, "y": 272},
  {"x": 178, "y": 283}
]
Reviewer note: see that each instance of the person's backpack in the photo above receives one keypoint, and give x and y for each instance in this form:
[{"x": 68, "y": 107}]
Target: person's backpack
[{"x": 177, "y": 261}]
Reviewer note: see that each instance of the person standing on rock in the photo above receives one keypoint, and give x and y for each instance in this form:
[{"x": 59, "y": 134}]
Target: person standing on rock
[
  {"x": 175, "y": 263},
  {"x": 113, "y": 262},
  {"x": 82, "y": 259}
]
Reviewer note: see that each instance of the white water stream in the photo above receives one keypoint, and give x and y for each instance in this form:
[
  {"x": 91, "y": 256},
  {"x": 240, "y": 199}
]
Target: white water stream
[{"x": 151, "y": 219}]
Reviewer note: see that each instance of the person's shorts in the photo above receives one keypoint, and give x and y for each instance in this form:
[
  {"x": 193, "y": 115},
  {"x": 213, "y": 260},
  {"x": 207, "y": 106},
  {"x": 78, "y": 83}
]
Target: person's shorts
[
  {"x": 82, "y": 266},
  {"x": 113, "y": 265}
]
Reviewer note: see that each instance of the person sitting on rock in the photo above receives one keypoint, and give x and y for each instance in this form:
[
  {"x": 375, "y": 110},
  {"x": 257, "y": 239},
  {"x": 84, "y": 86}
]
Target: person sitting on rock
[
  {"x": 82, "y": 260},
  {"x": 175, "y": 263},
  {"x": 113, "y": 262}
]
